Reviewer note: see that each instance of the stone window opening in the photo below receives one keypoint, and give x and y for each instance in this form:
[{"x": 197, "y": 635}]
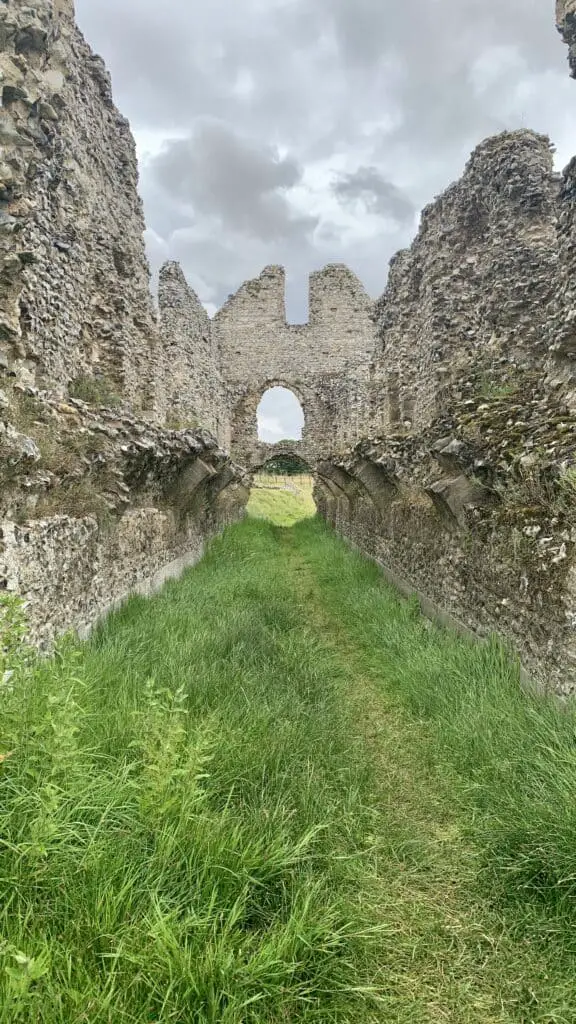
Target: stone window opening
[{"x": 280, "y": 416}]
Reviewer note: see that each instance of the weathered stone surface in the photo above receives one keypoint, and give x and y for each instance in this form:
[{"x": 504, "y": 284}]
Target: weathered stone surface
[
  {"x": 566, "y": 21},
  {"x": 474, "y": 376},
  {"x": 194, "y": 391},
  {"x": 324, "y": 362},
  {"x": 440, "y": 421},
  {"x": 74, "y": 280},
  {"x": 476, "y": 283},
  {"x": 95, "y": 503}
]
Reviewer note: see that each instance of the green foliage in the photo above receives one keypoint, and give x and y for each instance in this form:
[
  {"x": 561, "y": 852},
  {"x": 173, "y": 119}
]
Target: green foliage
[
  {"x": 16, "y": 655},
  {"x": 275, "y": 793},
  {"x": 13, "y": 627},
  {"x": 493, "y": 388},
  {"x": 285, "y": 465},
  {"x": 94, "y": 391}
]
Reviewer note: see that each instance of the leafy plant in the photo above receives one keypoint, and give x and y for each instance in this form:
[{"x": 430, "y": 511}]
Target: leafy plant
[{"x": 94, "y": 391}]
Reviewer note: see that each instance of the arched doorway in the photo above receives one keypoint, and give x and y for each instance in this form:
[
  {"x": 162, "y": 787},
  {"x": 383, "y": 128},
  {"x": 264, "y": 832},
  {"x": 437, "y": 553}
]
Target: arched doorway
[{"x": 280, "y": 416}]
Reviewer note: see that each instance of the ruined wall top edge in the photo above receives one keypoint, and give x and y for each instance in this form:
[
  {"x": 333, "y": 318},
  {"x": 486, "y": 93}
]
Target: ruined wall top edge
[
  {"x": 566, "y": 22},
  {"x": 268, "y": 291}
]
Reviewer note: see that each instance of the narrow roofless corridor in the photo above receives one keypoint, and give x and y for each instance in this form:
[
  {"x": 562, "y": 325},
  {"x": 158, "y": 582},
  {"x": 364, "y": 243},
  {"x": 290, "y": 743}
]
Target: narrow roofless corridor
[{"x": 276, "y": 793}]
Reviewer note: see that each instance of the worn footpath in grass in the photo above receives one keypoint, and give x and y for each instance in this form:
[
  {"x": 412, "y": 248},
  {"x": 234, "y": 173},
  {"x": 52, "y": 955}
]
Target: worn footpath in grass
[{"x": 275, "y": 794}]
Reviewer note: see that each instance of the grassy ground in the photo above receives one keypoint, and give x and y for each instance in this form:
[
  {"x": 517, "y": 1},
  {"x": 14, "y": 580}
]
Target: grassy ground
[
  {"x": 275, "y": 794},
  {"x": 282, "y": 500}
]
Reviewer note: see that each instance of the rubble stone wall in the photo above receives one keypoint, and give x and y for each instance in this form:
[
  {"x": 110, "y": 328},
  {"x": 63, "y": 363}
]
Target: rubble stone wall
[
  {"x": 95, "y": 505},
  {"x": 324, "y": 362},
  {"x": 466, "y": 487},
  {"x": 74, "y": 281},
  {"x": 195, "y": 391},
  {"x": 97, "y": 499},
  {"x": 566, "y": 21},
  {"x": 476, "y": 282}
]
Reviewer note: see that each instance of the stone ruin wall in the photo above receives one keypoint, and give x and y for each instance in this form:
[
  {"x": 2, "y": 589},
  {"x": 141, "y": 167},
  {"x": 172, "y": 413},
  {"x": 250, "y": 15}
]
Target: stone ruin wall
[
  {"x": 195, "y": 390},
  {"x": 324, "y": 362},
  {"x": 440, "y": 421},
  {"x": 79, "y": 303},
  {"x": 566, "y": 21},
  {"x": 97, "y": 499},
  {"x": 76, "y": 308},
  {"x": 476, "y": 282},
  {"x": 465, "y": 490}
]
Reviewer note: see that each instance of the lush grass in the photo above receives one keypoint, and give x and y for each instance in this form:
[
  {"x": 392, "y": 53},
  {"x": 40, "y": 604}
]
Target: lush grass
[
  {"x": 276, "y": 794},
  {"x": 282, "y": 500},
  {"x": 504, "y": 760},
  {"x": 182, "y": 815}
]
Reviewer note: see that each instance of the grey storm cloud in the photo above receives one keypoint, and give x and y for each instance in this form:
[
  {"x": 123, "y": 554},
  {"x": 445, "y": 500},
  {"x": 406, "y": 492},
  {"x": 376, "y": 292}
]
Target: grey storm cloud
[
  {"x": 377, "y": 194},
  {"x": 267, "y": 127},
  {"x": 241, "y": 183}
]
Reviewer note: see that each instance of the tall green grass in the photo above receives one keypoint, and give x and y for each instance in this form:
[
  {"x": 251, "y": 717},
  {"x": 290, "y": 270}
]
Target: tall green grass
[
  {"x": 510, "y": 756},
  {"x": 275, "y": 793},
  {"x": 181, "y": 815}
]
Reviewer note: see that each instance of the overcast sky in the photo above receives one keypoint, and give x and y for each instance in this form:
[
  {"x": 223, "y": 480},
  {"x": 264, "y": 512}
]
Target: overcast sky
[{"x": 305, "y": 132}]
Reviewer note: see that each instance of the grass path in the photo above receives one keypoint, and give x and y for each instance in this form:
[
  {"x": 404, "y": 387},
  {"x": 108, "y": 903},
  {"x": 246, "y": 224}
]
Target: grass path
[
  {"x": 448, "y": 953},
  {"x": 275, "y": 794}
]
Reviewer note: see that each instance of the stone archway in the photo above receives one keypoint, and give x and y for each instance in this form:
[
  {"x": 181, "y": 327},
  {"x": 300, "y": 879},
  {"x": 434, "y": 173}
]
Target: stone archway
[{"x": 249, "y": 451}]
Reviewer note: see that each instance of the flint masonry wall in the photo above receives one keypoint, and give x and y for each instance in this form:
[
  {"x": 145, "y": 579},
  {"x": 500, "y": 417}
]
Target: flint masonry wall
[
  {"x": 566, "y": 21},
  {"x": 100, "y": 506},
  {"x": 477, "y": 280},
  {"x": 324, "y": 362},
  {"x": 465, "y": 490},
  {"x": 562, "y": 325},
  {"x": 194, "y": 388},
  {"x": 95, "y": 503},
  {"x": 75, "y": 280}
]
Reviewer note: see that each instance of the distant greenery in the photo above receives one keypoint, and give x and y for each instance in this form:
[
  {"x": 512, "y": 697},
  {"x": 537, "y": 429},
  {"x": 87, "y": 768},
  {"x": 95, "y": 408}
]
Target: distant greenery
[
  {"x": 282, "y": 507},
  {"x": 289, "y": 465},
  {"x": 276, "y": 794}
]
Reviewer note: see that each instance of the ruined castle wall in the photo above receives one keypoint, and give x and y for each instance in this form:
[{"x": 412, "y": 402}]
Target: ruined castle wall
[
  {"x": 95, "y": 506},
  {"x": 477, "y": 281},
  {"x": 324, "y": 361},
  {"x": 503, "y": 567},
  {"x": 95, "y": 502},
  {"x": 566, "y": 21},
  {"x": 254, "y": 336},
  {"x": 74, "y": 283},
  {"x": 465, "y": 492},
  {"x": 561, "y": 333},
  {"x": 562, "y": 326},
  {"x": 195, "y": 391}
]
